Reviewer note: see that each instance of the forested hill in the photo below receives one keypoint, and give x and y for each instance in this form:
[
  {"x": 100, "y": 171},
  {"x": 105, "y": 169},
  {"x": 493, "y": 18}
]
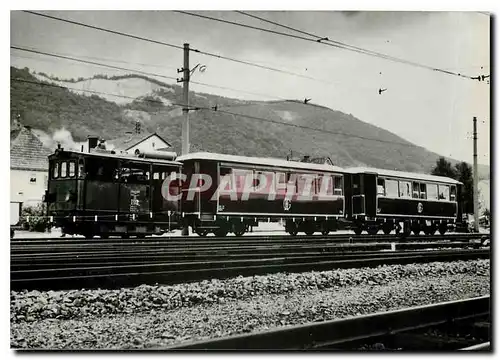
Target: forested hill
[{"x": 345, "y": 139}]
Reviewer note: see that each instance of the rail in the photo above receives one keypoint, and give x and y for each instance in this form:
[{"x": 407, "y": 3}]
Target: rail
[{"x": 335, "y": 334}]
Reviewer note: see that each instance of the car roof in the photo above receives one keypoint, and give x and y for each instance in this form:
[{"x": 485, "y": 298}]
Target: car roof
[
  {"x": 403, "y": 174},
  {"x": 250, "y": 160}
]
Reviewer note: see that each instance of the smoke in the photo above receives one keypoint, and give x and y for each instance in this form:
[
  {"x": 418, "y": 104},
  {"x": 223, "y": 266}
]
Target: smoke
[{"x": 63, "y": 136}]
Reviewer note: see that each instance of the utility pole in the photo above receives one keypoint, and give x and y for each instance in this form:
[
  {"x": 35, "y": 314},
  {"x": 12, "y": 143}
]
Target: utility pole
[
  {"x": 476, "y": 197},
  {"x": 185, "y": 109},
  {"x": 185, "y": 99}
]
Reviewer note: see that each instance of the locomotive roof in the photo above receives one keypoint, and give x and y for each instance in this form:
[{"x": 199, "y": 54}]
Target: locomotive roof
[
  {"x": 250, "y": 160},
  {"x": 122, "y": 156},
  {"x": 403, "y": 174}
]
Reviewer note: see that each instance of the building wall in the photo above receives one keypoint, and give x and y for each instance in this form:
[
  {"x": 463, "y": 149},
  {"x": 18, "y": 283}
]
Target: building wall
[
  {"x": 151, "y": 144},
  {"x": 27, "y": 186}
]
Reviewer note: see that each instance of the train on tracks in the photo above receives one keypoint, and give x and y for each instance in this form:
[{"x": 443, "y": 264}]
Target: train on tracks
[{"x": 101, "y": 193}]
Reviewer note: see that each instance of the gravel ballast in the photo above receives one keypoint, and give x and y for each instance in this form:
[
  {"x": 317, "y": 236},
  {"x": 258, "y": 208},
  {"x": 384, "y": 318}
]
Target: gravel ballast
[{"x": 151, "y": 316}]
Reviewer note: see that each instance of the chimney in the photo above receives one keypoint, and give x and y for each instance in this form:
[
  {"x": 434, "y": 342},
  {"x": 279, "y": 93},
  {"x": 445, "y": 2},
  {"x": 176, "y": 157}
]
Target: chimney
[{"x": 92, "y": 140}]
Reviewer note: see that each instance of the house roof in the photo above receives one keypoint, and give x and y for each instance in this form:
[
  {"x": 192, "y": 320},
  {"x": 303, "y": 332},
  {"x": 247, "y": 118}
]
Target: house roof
[
  {"x": 27, "y": 152},
  {"x": 128, "y": 141}
]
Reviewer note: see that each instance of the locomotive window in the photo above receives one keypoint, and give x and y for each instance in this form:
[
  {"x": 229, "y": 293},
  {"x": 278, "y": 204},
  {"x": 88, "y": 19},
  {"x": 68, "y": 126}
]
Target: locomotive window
[
  {"x": 444, "y": 192},
  {"x": 63, "y": 169},
  {"x": 338, "y": 186},
  {"x": 381, "y": 187},
  {"x": 156, "y": 176},
  {"x": 404, "y": 189},
  {"x": 325, "y": 185},
  {"x": 453, "y": 193},
  {"x": 71, "y": 169},
  {"x": 415, "y": 192},
  {"x": 55, "y": 173},
  {"x": 391, "y": 188},
  {"x": 81, "y": 173},
  {"x": 423, "y": 191},
  {"x": 432, "y": 191}
]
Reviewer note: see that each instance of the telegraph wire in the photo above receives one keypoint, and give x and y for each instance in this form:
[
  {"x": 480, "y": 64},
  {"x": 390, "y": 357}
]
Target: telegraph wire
[
  {"x": 196, "y": 108},
  {"x": 70, "y": 58}
]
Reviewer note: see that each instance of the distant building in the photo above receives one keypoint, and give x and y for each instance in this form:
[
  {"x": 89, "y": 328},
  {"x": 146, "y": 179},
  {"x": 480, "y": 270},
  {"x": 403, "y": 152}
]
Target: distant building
[
  {"x": 142, "y": 142},
  {"x": 28, "y": 167}
]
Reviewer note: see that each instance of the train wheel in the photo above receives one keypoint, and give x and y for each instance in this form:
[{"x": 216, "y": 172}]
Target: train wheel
[
  {"x": 221, "y": 232},
  {"x": 429, "y": 230},
  {"x": 373, "y": 230},
  {"x": 88, "y": 235},
  {"x": 358, "y": 230},
  {"x": 104, "y": 236},
  {"x": 239, "y": 229},
  {"x": 387, "y": 228},
  {"x": 325, "y": 231},
  {"x": 416, "y": 229},
  {"x": 442, "y": 229},
  {"x": 201, "y": 232}
]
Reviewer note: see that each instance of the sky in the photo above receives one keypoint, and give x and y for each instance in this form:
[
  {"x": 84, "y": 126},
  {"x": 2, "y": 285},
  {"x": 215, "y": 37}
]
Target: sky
[{"x": 428, "y": 108}]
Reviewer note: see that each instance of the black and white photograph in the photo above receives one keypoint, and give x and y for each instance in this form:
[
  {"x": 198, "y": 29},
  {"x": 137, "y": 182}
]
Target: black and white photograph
[{"x": 210, "y": 180}]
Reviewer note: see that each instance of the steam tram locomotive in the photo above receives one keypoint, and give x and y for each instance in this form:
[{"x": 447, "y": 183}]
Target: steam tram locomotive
[{"x": 102, "y": 193}]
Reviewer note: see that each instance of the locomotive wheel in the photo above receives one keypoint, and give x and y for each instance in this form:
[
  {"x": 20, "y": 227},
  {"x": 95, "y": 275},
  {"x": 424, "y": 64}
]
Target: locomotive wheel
[
  {"x": 358, "y": 230},
  {"x": 104, "y": 236},
  {"x": 309, "y": 232},
  {"x": 88, "y": 235},
  {"x": 201, "y": 232},
  {"x": 415, "y": 229},
  {"x": 325, "y": 231},
  {"x": 442, "y": 229}
]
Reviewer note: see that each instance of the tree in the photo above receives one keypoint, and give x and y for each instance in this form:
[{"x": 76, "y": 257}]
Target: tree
[
  {"x": 444, "y": 168},
  {"x": 464, "y": 175}
]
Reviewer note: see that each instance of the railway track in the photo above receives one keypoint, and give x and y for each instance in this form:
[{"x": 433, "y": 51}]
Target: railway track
[
  {"x": 122, "y": 273},
  {"x": 448, "y": 326}
]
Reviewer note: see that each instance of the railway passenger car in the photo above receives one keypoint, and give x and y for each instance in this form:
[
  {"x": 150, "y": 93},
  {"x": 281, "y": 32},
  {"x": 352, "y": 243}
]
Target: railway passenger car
[
  {"x": 228, "y": 193},
  {"x": 406, "y": 202},
  {"x": 102, "y": 193}
]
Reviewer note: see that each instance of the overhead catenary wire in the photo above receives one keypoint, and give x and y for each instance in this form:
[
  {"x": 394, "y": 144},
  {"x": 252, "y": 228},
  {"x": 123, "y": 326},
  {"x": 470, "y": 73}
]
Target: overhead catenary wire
[{"x": 348, "y": 47}]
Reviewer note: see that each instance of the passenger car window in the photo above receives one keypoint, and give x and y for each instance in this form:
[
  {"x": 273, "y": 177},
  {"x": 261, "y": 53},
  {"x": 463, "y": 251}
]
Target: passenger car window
[
  {"x": 423, "y": 191},
  {"x": 453, "y": 193},
  {"x": 337, "y": 190},
  {"x": 444, "y": 192},
  {"x": 391, "y": 188},
  {"x": 415, "y": 192},
  {"x": 404, "y": 189},
  {"x": 381, "y": 187},
  {"x": 325, "y": 185},
  {"x": 432, "y": 192}
]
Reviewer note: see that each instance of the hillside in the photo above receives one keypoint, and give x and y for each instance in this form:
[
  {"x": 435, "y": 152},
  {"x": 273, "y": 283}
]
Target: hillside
[{"x": 343, "y": 137}]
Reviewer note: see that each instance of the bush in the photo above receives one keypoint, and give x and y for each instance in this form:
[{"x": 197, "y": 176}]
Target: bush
[{"x": 34, "y": 218}]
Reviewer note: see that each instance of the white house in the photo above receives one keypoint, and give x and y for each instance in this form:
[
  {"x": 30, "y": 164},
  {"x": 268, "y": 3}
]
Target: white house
[
  {"x": 28, "y": 167},
  {"x": 143, "y": 142}
]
